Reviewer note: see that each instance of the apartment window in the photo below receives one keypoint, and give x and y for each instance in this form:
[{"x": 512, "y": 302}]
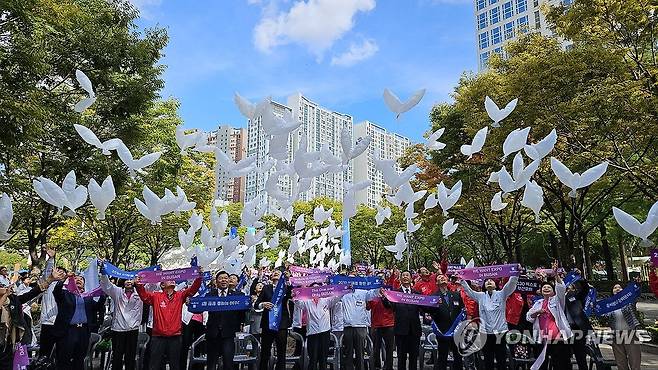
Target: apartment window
[
  {"x": 509, "y": 30},
  {"x": 482, "y": 21},
  {"x": 484, "y": 59},
  {"x": 491, "y": 2},
  {"x": 495, "y": 36},
  {"x": 508, "y": 10},
  {"x": 535, "y": 3},
  {"x": 482, "y": 4},
  {"x": 537, "y": 20},
  {"x": 484, "y": 40},
  {"x": 498, "y": 50},
  {"x": 494, "y": 15},
  {"x": 522, "y": 23},
  {"x": 521, "y": 6}
]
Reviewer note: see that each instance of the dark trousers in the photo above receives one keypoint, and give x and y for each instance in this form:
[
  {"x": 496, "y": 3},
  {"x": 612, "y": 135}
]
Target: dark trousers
[
  {"x": 191, "y": 332},
  {"x": 387, "y": 335},
  {"x": 6, "y": 357},
  {"x": 445, "y": 345},
  {"x": 72, "y": 348},
  {"x": 217, "y": 346},
  {"x": 280, "y": 338},
  {"x": 579, "y": 350},
  {"x": 408, "y": 346},
  {"x": 318, "y": 350},
  {"x": 495, "y": 350},
  {"x": 124, "y": 349},
  {"x": 559, "y": 356},
  {"x": 165, "y": 346},
  {"x": 299, "y": 346},
  {"x": 47, "y": 340},
  {"x": 353, "y": 341}
]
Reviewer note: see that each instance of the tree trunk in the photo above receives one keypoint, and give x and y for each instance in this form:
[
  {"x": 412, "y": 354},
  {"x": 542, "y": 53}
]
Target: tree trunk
[
  {"x": 587, "y": 260},
  {"x": 555, "y": 250},
  {"x": 622, "y": 258},
  {"x": 607, "y": 255}
]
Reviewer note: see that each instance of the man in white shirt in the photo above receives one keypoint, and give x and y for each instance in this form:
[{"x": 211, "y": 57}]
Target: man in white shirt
[
  {"x": 4, "y": 276},
  {"x": 128, "y": 308},
  {"x": 47, "y": 338},
  {"x": 356, "y": 320}
]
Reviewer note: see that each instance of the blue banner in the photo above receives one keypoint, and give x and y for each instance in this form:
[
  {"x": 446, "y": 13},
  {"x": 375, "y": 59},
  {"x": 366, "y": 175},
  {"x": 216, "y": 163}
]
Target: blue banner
[
  {"x": 589, "y": 302},
  {"x": 619, "y": 300},
  {"x": 111, "y": 270},
  {"x": 357, "y": 282},
  {"x": 212, "y": 304},
  {"x": 571, "y": 278},
  {"x": 346, "y": 243},
  {"x": 242, "y": 281},
  {"x": 277, "y": 301},
  {"x": 461, "y": 317}
]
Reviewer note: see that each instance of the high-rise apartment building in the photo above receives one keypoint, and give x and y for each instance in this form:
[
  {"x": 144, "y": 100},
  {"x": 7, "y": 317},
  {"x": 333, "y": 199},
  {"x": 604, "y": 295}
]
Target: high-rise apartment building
[
  {"x": 233, "y": 142},
  {"x": 390, "y": 146},
  {"x": 320, "y": 126},
  {"x": 498, "y": 21}
]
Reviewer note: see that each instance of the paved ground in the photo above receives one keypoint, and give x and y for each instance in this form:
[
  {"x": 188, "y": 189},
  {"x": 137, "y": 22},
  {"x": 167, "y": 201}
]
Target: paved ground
[
  {"x": 650, "y": 311},
  {"x": 649, "y": 361}
]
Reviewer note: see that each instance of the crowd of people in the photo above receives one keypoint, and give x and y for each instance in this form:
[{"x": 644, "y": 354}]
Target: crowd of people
[{"x": 471, "y": 319}]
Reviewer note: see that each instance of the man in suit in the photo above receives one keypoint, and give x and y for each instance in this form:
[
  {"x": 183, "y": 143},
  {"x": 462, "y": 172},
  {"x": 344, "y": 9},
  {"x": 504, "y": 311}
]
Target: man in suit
[
  {"x": 77, "y": 317},
  {"x": 407, "y": 326},
  {"x": 450, "y": 306},
  {"x": 268, "y": 336},
  {"x": 222, "y": 326}
]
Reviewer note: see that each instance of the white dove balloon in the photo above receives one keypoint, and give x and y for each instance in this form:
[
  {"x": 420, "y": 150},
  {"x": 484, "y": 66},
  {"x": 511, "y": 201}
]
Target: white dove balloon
[
  {"x": 477, "y": 144},
  {"x": 409, "y": 211},
  {"x": 186, "y": 239},
  {"x": 497, "y": 202},
  {"x": 575, "y": 180},
  {"x": 320, "y": 215},
  {"x": 382, "y": 213},
  {"x": 85, "y": 83},
  {"x": 433, "y": 141},
  {"x": 406, "y": 194},
  {"x": 397, "y": 107},
  {"x": 333, "y": 231},
  {"x": 449, "y": 197},
  {"x": 515, "y": 141},
  {"x": 233, "y": 169},
  {"x": 390, "y": 175},
  {"x": 264, "y": 262},
  {"x": 205, "y": 256},
  {"x": 350, "y": 151},
  {"x": 542, "y": 148},
  {"x": 470, "y": 264},
  {"x": 152, "y": 206},
  {"x": 449, "y": 227},
  {"x": 274, "y": 241},
  {"x": 283, "y": 214},
  {"x": 252, "y": 213},
  {"x": 521, "y": 174},
  {"x": 248, "y": 109},
  {"x": 90, "y": 138},
  {"x": 50, "y": 192},
  {"x": 533, "y": 198},
  {"x": 6, "y": 216},
  {"x": 496, "y": 114},
  {"x": 186, "y": 141},
  {"x": 399, "y": 247},
  {"x": 411, "y": 227},
  {"x": 431, "y": 201},
  {"x": 300, "y": 223},
  {"x": 101, "y": 195},
  {"x": 274, "y": 125},
  {"x": 134, "y": 165},
  {"x": 632, "y": 226},
  {"x": 76, "y": 195}
]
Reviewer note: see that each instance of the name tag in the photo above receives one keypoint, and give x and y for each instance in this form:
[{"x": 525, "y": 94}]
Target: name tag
[{"x": 571, "y": 299}]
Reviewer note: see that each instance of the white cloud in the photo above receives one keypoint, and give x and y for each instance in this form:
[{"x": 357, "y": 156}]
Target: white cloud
[
  {"x": 316, "y": 24},
  {"x": 145, "y": 7},
  {"x": 355, "y": 54}
]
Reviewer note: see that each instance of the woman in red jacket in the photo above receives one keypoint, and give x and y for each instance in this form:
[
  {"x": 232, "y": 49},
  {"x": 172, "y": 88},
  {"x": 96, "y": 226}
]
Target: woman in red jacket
[{"x": 382, "y": 322}]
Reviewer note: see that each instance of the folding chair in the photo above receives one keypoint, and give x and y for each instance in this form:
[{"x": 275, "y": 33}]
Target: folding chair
[
  {"x": 93, "y": 342},
  {"x": 247, "y": 350},
  {"x": 596, "y": 358}
]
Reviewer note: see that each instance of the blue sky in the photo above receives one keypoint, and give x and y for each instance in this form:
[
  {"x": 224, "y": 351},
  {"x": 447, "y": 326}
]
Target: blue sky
[{"x": 339, "y": 53}]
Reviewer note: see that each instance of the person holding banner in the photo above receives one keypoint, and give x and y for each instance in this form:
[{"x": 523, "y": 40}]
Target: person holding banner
[
  {"x": 222, "y": 325},
  {"x": 624, "y": 322},
  {"x": 407, "y": 326},
  {"x": 446, "y": 316},
  {"x": 550, "y": 323},
  {"x": 491, "y": 307},
  {"x": 77, "y": 315},
  {"x": 382, "y": 320},
  {"x": 167, "y": 312},
  {"x": 274, "y": 301},
  {"x": 128, "y": 309}
]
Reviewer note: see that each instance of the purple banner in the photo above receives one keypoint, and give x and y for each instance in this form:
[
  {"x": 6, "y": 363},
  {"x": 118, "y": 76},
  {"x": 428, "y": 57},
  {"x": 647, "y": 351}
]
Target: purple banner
[
  {"x": 96, "y": 292},
  {"x": 416, "y": 299},
  {"x": 305, "y": 294},
  {"x": 299, "y": 270},
  {"x": 309, "y": 279},
  {"x": 169, "y": 275},
  {"x": 654, "y": 257},
  {"x": 21, "y": 358},
  {"x": 489, "y": 272},
  {"x": 454, "y": 268},
  {"x": 548, "y": 272}
]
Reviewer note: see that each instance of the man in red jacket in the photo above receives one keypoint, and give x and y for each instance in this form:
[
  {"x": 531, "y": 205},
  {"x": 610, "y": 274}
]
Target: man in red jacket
[
  {"x": 426, "y": 283},
  {"x": 382, "y": 321},
  {"x": 167, "y": 311}
]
